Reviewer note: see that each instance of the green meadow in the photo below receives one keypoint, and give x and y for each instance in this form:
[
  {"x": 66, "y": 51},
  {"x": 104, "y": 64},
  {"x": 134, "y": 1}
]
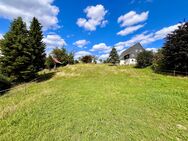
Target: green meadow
[{"x": 88, "y": 102}]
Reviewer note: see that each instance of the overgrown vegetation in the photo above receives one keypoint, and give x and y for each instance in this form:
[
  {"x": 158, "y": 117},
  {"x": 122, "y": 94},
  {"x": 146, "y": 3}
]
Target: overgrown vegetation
[
  {"x": 144, "y": 59},
  {"x": 87, "y": 59},
  {"x": 4, "y": 83}
]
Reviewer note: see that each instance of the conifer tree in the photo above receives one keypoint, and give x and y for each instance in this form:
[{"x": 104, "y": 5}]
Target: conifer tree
[
  {"x": 113, "y": 57},
  {"x": 37, "y": 45},
  {"x": 16, "y": 60},
  {"x": 175, "y": 50}
]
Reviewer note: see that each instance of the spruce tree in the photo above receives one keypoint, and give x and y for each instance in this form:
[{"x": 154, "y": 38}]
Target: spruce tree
[
  {"x": 175, "y": 50},
  {"x": 16, "y": 60},
  {"x": 113, "y": 57},
  {"x": 37, "y": 45}
]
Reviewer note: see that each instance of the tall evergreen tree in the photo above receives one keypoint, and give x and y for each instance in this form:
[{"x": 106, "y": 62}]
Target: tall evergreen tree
[
  {"x": 37, "y": 45},
  {"x": 114, "y": 57},
  {"x": 175, "y": 50},
  {"x": 15, "y": 62}
]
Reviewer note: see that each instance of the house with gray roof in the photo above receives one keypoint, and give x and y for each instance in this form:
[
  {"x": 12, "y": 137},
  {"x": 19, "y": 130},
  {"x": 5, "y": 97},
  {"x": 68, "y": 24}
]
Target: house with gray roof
[{"x": 128, "y": 57}]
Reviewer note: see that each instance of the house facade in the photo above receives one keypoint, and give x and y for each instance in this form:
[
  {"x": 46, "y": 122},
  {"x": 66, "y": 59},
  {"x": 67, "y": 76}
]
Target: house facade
[{"x": 128, "y": 57}]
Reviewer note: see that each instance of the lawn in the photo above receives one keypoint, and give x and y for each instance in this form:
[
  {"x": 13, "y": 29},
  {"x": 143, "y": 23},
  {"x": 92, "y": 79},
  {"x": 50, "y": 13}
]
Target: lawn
[{"x": 97, "y": 102}]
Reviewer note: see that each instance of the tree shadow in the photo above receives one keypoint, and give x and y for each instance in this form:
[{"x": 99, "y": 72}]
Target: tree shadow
[{"x": 45, "y": 76}]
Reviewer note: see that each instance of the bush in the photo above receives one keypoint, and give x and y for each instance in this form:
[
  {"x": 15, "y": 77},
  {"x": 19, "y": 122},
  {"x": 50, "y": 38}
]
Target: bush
[
  {"x": 49, "y": 63},
  {"x": 4, "y": 82},
  {"x": 158, "y": 61},
  {"x": 144, "y": 59},
  {"x": 87, "y": 59}
]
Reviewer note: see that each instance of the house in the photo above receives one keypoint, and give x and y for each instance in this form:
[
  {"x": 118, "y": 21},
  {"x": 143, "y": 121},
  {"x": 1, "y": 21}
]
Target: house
[{"x": 128, "y": 57}]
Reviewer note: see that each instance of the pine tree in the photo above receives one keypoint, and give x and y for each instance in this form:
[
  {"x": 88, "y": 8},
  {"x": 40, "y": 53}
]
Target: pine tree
[
  {"x": 16, "y": 60},
  {"x": 114, "y": 57},
  {"x": 175, "y": 50},
  {"x": 37, "y": 45}
]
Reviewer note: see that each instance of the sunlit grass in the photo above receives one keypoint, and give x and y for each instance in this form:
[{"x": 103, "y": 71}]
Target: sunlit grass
[{"x": 97, "y": 102}]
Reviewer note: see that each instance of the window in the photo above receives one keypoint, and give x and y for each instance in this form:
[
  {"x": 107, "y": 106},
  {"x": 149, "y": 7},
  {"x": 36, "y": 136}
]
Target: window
[{"x": 126, "y": 56}]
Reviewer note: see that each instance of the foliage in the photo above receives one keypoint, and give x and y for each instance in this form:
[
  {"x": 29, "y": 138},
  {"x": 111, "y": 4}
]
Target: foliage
[
  {"x": 144, "y": 59},
  {"x": 17, "y": 54},
  {"x": 87, "y": 59},
  {"x": 76, "y": 61},
  {"x": 158, "y": 61},
  {"x": 70, "y": 58},
  {"x": 97, "y": 102},
  {"x": 113, "y": 57},
  {"x": 37, "y": 45},
  {"x": 23, "y": 51},
  {"x": 175, "y": 50},
  {"x": 4, "y": 83},
  {"x": 49, "y": 63}
]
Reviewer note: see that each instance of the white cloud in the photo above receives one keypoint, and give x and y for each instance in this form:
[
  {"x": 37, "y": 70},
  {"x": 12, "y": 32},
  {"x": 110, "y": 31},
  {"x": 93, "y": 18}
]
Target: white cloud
[
  {"x": 130, "y": 30},
  {"x": 81, "y": 53},
  {"x": 152, "y": 49},
  {"x": 166, "y": 30},
  {"x": 132, "y": 18},
  {"x": 44, "y": 10},
  {"x": 101, "y": 47},
  {"x": 81, "y": 43},
  {"x": 104, "y": 56},
  {"x": 53, "y": 41},
  {"x": 95, "y": 17},
  {"x": 1, "y": 36},
  {"x": 146, "y": 38}
]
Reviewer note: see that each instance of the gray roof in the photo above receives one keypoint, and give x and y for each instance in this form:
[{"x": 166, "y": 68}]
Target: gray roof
[{"x": 132, "y": 51}]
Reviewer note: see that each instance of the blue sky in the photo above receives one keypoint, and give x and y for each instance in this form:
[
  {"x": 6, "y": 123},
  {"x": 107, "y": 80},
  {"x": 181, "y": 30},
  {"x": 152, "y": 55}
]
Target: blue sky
[{"x": 95, "y": 26}]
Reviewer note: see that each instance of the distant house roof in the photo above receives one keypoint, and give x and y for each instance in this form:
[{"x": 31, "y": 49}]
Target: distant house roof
[
  {"x": 56, "y": 61},
  {"x": 132, "y": 51}
]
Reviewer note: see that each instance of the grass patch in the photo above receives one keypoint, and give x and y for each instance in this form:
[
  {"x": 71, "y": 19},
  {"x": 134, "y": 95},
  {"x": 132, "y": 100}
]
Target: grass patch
[{"x": 98, "y": 102}]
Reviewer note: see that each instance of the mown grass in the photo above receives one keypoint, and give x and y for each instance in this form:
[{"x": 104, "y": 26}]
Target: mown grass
[{"x": 98, "y": 102}]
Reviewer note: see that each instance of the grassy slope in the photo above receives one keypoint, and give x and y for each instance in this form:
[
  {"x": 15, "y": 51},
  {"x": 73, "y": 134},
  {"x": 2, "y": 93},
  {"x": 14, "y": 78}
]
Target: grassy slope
[{"x": 98, "y": 102}]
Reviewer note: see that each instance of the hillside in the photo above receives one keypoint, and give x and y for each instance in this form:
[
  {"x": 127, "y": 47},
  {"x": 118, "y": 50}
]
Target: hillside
[{"x": 97, "y": 102}]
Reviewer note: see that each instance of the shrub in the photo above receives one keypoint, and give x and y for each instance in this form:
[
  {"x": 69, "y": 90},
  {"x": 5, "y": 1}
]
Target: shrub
[
  {"x": 144, "y": 59},
  {"x": 158, "y": 61},
  {"x": 87, "y": 59},
  {"x": 49, "y": 63},
  {"x": 4, "y": 82}
]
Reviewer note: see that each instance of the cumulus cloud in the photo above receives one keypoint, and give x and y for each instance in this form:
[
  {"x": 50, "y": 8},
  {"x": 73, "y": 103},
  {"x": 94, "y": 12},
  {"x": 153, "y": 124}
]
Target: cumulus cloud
[
  {"x": 95, "y": 17},
  {"x": 52, "y": 41},
  {"x": 129, "y": 21},
  {"x": 81, "y": 43},
  {"x": 44, "y": 10},
  {"x": 104, "y": 56},
  {"x": 130, "y": 30},
  {"x": 101, "y": 47},
  {"x": 152, "y": 49},
  {"x": 81, "y": 53},
  {"x": 132, "y": 18},
  {"x": 146, "y": 37}
]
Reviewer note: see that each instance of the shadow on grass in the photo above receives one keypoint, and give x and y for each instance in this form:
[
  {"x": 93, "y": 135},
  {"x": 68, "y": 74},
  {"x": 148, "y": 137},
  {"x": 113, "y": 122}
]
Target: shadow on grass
[{"x": 45, "y": 76}]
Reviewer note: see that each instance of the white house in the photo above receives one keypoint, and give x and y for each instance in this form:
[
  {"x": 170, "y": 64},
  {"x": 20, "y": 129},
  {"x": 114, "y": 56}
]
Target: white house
[{"x": 128, "y": 57}]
